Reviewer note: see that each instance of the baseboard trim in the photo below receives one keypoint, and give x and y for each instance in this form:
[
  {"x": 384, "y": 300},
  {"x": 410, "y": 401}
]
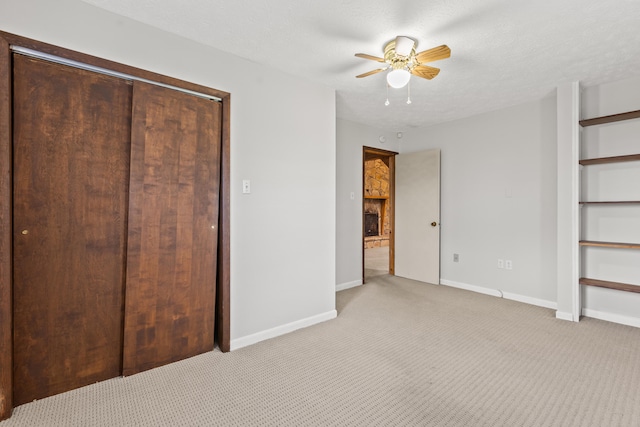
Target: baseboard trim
[
  {"x": 498, "y": 293},
  {"x": 530, "y": 300},
  {"x": 348, "y": 285},
  {"x": 281, "y": 330},
  {"x": 565, "y": 315},
  {"x": 611, "y": 317},
  {"x": 473, "y": 288}
]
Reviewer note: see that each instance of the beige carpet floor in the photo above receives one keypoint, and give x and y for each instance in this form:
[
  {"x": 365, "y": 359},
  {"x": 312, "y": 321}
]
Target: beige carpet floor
[
  {"x": 376, "y": 261},
  {"x": 400, "y": 353}
]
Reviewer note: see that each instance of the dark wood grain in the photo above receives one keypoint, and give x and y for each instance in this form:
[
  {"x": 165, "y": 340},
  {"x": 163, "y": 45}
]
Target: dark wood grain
[
  {"x": 610, "y": 244},
  {"x": 627, "y": 287},
  {"x": 610, "y": 119},
  {"x": 371, "y": 153},
  {"x": 71, "y": 150},
  {"x": 392, "y": 212},
  {"x": 614, "y": 159},
  {"x": 223, "y": 299},
  {"x": 623, "y": 202},
  {"x": 224, "y": 281},
  {"x": 172, "y": 249},
  {"x": 6, "y": 280},
  {"x": 25, "y": 42}
]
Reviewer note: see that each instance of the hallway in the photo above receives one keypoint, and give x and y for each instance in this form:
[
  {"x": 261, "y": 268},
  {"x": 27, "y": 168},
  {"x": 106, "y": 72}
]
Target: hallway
[{"x": 376, "y": 261}]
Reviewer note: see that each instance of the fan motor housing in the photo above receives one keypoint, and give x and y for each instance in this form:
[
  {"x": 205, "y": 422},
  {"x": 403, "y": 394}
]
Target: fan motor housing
[{"x": 398, "y": 61}]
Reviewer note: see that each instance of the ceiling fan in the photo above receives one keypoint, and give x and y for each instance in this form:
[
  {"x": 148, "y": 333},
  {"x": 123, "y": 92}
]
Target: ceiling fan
[{"x": 400, "y": 55}]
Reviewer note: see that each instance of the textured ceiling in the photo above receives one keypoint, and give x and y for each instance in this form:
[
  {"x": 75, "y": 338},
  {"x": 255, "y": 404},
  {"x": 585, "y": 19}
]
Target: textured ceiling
[{"x": 503, "y": 52}]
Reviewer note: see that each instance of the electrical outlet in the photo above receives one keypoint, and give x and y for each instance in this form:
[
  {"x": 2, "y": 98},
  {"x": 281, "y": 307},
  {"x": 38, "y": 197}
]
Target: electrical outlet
[
  {"x": 500, "y": 263},
  {"x": 456, "y": 257},
  {"x": 508, "y": 264}
]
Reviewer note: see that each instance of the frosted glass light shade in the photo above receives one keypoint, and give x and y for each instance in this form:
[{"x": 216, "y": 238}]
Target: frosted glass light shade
[
  {"x": 404, "y": 45},
  {"x": 398, "y": 78}
]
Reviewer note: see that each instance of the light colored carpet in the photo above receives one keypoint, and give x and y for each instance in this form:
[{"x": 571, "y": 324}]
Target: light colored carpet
[
  {"x": 400, "y": 353},
  {"x": 376, "y": 261}
]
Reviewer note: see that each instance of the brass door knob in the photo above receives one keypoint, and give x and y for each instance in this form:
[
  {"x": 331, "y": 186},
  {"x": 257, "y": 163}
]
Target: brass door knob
[
  {"x": 25, "y": 231},
  {"x": 433, "y": 224}
]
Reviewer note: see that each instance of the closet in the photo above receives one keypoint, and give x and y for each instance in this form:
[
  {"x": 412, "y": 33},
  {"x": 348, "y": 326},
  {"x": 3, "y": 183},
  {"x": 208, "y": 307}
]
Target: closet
[
  {"x": 173, "y": 217},
  {"x": 70, "y": 187},
  {"x": 112, "y": 195}
]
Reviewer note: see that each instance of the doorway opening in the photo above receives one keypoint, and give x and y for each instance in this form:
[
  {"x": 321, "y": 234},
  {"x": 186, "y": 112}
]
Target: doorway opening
[{"x": 378, "y": 182}]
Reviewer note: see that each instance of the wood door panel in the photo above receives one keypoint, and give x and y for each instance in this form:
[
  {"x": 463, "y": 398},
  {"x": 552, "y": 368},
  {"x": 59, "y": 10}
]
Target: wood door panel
[
  {"x": 6, "y": 214},
  {"x": 171, "y": 267},
  {"x": 71, "y": 171}
]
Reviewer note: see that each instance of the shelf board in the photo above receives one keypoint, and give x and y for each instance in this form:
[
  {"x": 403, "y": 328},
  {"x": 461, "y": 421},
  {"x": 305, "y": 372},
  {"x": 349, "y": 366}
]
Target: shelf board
[
  {"x": 619, "y": 202},
  {"x": 610, "y": 285},
  {"x": 615, "y": 159},
  {"x": 610, "y": 244},
  {"x": 610, "y": 119},
  {"x": 377, "y": 197},
  {"x": 604, "y": 160}
]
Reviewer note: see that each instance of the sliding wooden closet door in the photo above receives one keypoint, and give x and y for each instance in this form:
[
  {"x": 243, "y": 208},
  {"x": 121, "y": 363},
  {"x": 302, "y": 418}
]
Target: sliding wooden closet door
[
  {"x": 173, "y": 219},
  {"x": 71, "y": 172}
]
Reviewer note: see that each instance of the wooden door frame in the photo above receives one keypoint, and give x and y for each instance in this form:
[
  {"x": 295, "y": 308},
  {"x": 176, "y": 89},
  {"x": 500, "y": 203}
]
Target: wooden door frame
[
  {"x": 6, "y": 232},
  {"x": 370, "y": 153}
]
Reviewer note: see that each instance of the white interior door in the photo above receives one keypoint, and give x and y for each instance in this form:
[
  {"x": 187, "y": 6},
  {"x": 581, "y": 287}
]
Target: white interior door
[{"x": 417, "y": 216}]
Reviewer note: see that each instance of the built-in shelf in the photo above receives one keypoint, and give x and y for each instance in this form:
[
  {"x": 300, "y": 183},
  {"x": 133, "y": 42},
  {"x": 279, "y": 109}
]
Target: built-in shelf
[
  {"x": 610, "y": 119},
  {"x": 615, "y": 159},
  {"x": 610, "y": 244},
  {"x": 610, "y": 285},
  {"x": 605, "y": 160},
  {"x": 623, "y": 202}
]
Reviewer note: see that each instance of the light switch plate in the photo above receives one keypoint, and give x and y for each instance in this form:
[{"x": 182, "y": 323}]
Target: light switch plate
[{"x": 246, "y": 186}]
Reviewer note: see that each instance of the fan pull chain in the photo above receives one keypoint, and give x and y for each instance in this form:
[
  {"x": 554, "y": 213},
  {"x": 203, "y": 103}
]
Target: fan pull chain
[
  {"x": 409, "y": 93},
  {"x": 386, "y": 103}
]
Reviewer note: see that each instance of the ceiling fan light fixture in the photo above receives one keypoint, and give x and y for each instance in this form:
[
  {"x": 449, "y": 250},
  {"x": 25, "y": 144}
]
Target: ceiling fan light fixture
[
  {"x": 398, "y": 78},
  {"x": 404, "y": 45}
]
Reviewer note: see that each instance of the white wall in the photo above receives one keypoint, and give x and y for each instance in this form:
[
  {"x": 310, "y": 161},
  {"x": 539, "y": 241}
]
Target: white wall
[
  {"x": 350, "y": 139},
  {"x": 282, "y": 138},
  {"x": 498, "y": 199},
  {"x": 611, "y": 182}
]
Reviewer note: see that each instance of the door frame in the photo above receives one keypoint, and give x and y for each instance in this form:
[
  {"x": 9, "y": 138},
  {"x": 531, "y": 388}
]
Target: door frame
[
  {"x": 370, "y": 153},
  {"x": 7, "y": 40}
]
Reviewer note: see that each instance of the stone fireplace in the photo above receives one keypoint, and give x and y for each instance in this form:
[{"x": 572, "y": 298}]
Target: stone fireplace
[
  {"x": 371, "y": 224},
  {"x": 377, "y": 220}
]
